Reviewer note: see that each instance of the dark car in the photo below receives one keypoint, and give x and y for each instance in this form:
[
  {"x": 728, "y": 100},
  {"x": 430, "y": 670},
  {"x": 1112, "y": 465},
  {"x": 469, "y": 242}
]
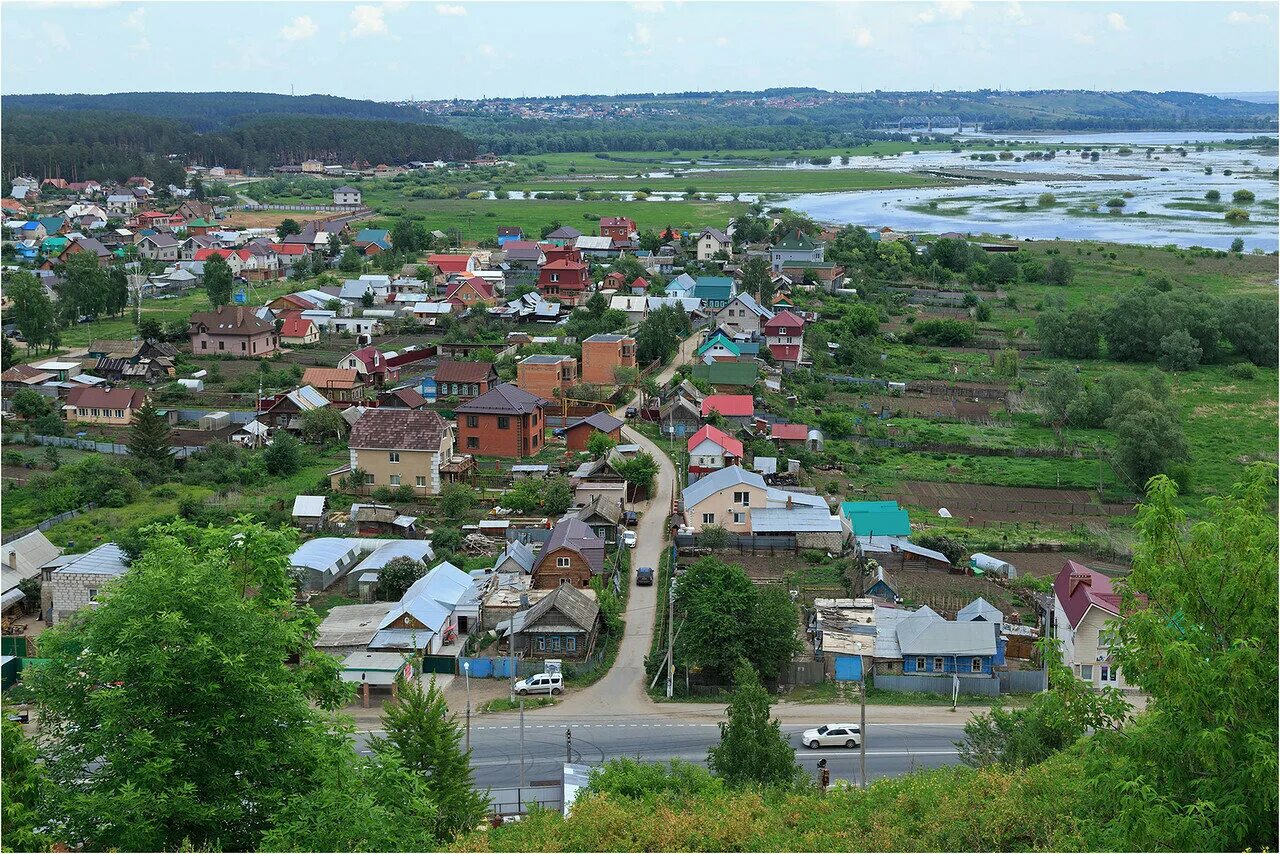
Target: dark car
[
  {"x": 632, "y": 412},
  {"x": 630, "y": 517},
  {"x": 644, "y": 576}
]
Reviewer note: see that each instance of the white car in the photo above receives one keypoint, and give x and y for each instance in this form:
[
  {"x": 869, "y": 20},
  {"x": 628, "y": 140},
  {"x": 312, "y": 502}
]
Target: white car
[
  {"x": 629, "y": 539},
  {"x": 832, "y": 735},
  {"x": 541, "y": 683}
]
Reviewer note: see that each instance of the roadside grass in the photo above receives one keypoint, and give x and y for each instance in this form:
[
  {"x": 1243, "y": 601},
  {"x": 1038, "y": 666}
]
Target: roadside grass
[
  {"x": 506, "y": 704},
  {"x": 880, "y": 697}
]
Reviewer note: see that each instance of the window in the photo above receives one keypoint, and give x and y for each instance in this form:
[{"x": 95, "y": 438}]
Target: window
[
  {"x": 242, "y": 347},
  {"x": 937, "y": 665},
  {"x": 743, "y": 498},
  {"x": 1109, "y": 673},
  {"x": 504, "y": 422},
  {"x": 570, "y": 643},
  {"x": 473, "y": 442},
  {"x": 535, "y": 440},
  {"x": 555, "y": 643},
  {"x": 395, "y": 480},
  {"x": 739, "y": 518},
  {"x": 976, "y": 664},
  {"x": 562, "y": 563},
  {"x": 542, "y": 643},
  {"x": 119, "y": 413},
  {"x": 1086, "y": 672},
  {"x": 473, "y": 421},
  {"x": 393, "y": 456},
  {"x": 222, "y": 345},
  {"x": 368, "y": 478},
  {"x": 93, "y": 594},
  {"x": 708, "y": 518},
  {"x": 555, "y": 277},
  {"x": 920, "y": 663},
  {"x": 204, "y": 345},
  {"x": 420, "y": 480}
]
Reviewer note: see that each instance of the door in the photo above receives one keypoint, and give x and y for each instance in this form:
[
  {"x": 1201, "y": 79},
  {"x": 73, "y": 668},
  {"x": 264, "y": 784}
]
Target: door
[{"x": 848, "y": 668}]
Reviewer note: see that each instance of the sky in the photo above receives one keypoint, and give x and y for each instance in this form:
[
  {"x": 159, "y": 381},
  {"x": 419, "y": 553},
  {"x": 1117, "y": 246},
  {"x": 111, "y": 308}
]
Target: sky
[{"x": 434, "y": 50}]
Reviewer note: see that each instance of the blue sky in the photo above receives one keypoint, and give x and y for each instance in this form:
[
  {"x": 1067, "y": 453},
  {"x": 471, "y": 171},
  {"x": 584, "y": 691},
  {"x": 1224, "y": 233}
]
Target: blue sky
[{"x": 428, "y": 50}]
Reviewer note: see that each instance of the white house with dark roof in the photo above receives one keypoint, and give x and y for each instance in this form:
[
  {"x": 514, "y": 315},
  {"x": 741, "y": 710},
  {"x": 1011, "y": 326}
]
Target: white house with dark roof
[
  {"x": 711, "y": 241},
  {"x": 346, "y": 195}
]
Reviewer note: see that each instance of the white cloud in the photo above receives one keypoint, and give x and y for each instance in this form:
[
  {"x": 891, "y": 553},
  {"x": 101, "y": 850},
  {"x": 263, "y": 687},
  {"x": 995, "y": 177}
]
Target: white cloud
[
  {"x": 951, "y": 10},
  {"x": 1239, "y": 17},
  {"x": 137, "y": 19},
  {"x": 450, "y": 11},
  {"x": 641, "y": 35},
  {"x": 860, "y": 36},
  {"x": 649, "y": 8},
  {"x": 1013, "y": 13},
  {"x": 299, "y": 29},
  {"x": 721, "y": 41},
  {"x": 142, "y": 45},
  {"x": 927, "y": 16},
  {"x": 368, "y": 21},
  {"x": 1117, "y": 22},
  {"x": 55, "y": 36},
  {"x": 1084, "y": 38},
  {"x": 487, "y": 50}
]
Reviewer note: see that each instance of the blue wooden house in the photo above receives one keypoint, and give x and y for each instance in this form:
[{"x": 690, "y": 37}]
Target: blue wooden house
[{"x": 931, "y": 646}]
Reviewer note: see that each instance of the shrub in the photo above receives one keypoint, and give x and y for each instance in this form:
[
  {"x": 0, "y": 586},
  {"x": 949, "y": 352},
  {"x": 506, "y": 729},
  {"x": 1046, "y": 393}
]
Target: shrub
[
  {"x": 1242, "y": 197},
  {"x": 1242, "y": 371}
]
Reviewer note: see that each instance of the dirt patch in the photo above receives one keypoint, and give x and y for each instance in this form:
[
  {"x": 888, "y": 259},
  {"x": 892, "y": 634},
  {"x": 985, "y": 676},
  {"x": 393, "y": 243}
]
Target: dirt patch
[
  {"x": 1048, "y": 564},
  {"x": 978, "y": 503},
  {"x": 270, "y": 219},
  {"x": 947, "y": 594}
]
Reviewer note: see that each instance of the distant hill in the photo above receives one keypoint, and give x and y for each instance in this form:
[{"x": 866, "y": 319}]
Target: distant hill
[{"x": 1271, "y": 97}]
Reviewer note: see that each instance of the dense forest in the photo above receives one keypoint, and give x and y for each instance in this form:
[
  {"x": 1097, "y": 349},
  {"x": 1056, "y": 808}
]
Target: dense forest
[{"x": 105, "y": 145}]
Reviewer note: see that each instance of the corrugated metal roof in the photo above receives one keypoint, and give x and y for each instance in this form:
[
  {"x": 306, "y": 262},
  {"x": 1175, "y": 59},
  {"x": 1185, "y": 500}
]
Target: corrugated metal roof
[
  {"x": 308, "y": 505},
  {"x": 708, "y": 485},
  {"x": 779, "y": 520},
  {"x": 106, "y": 559}
]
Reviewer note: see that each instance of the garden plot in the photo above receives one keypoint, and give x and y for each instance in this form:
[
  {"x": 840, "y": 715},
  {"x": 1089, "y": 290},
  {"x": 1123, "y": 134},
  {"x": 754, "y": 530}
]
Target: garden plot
[{"x": 978, "y": 503}]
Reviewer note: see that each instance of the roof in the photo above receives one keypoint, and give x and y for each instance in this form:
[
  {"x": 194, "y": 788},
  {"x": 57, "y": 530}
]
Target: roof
[
  {"x": 752, "y": 306},
  {"x": 24, "y": 374},
  {"x": 602, "y": 421},
  {"x": 581, "y": 610},
  {"x": 607, "y": 338},
  {"x": 716, "y": 233},
  {"x": 608, "y": 509},
  {"x": 505, "y": 399},
  {"x": 545, "y": 359},
  {"x": 710, "y": 484},
  {"x": 1077, "y": 588},
  {"x": 456, "y": 371},
  {"x": 97, "y": 397},
  {"x": 727, "y": 373},
  {"x": 928, "y": 634},
  {"x": 784, "y": 318},
  {"x": 520, "y": 552},
  {"x": 730, "y": 405},
  {"x": 22, "y": 558},
  {"x": 398, "y": 429},
  {"x": 444, "y": 584},
  {"x": 419, "y": 550},
  {"x": 980, "y": 609},
  {"x": 161, "y": 240},
  {"x": 796, "y": 241},
  {"x": 232, "y": 320},
  {"x": 481, "y": 286},
  {"x": 450, "y": 263},
  {"x": 883, "y": 518},
  {"x": 324, "y": 552},
  {"x": 564, "y": 232},
  {"x": 345, "y": 189},
  {"x": 522, "y": 250},
  {"x": 713, "y": 287},
  {"x": 789, "y": 432},
  {"x": 308, "y": 505},
  {"x": 576, "y": 536},
  {"x": 106, "y": 559},
  {"x": 296, "y": 327},
  {"x": 721, "y": 438},
  {"x": 591, "y": 243},
  {"x": 780, "y": 520},
  {"x": 721, "y": 340},
  {"x": 375, "y": 668}
]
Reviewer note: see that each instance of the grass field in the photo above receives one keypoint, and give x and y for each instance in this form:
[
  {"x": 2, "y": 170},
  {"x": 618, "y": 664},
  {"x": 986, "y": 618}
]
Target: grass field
[{"x": 748, "y": 181}]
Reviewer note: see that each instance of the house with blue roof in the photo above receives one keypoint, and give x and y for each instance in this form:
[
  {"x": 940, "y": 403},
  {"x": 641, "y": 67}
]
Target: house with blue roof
[
  {"x": 876, "y": 518},
  {"x": 718, "y": 347},
  {"x": 682, "y": 286},
  {"x": 53, "y": 224},
  {"x": 714, "y": 291},
  {"x": 371, "y": 241}
]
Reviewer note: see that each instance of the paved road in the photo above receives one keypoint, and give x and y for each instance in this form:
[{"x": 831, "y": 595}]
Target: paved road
[{"x": 892, "y": 749}]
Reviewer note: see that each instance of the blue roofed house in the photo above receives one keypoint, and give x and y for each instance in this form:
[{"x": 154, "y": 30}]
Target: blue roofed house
[
  {"x": 682, "y": 285},
  {"x": 371, "y": 241},
  {"x": 53, "y": 224},
  {"x": 876, "y": 518},
  {"x": 714, "y": 291},
  {"x": 508, "y": 233},
  {"x": 516, "y": 558},
  {"x": 922, "y": 643}
]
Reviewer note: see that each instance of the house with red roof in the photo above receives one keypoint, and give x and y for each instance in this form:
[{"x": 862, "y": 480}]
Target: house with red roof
[
  {"x": 564, "y": 281},
  {"x": 104, "y": 405},
  {"x": 784, "y": 334},
  {"x": 1086, "y": 608},
  {"x": 789, "y": 433},
  {"x": 738, "y": 409},
  {"x": 711, "y": 448},
  {"x": 298, "y": 329},
  {"x": 288, "y": 253},
  {"x": 371, "y": 365},
  {"x": 617, "y": 227},
  {"x": 448, "y": 264},
  {"x": 470, "y": 291}
]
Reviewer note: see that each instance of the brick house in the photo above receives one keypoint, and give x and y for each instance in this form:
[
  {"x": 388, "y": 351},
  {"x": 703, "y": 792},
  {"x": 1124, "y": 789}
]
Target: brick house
[
  {"x": 465, "y": 380},
  {"x": 234, "y": 331},
  {"x": 77, "y": 583},
  {"x": 605, "y": 352},
  {"x": 564, "y": 280},
  {"x": 336, "y": 384},
  {"x": 503, "y": 422},
  {"x": 472, "y": 290},
  {"x": 159, "y": 247},
  {"x": 784, "y": 333},
  {"x": 104, "y": 405},
  {"x": 617, "y": 227},
  {"x": 572, "y": 556},
  {"x": 398, "y": 447},
  {"x": 578, "y": 434},
  {"x": 547, "y": 376}
]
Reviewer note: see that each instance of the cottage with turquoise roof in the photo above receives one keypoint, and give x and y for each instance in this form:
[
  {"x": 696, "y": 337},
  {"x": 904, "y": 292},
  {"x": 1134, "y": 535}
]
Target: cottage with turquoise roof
[{"x": 714, "y": 291}]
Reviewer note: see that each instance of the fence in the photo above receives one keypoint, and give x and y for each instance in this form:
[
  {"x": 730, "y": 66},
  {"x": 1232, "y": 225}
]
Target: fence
[
  {"x": 50, "y": 522},
  {"x": 971, "y": 450},
  {"x": 938, "y": 685},
  {"x": 804, "y": 673},
  {"x": 517, "y": 801},
  {"x": 499, "y": 666},
  {"x": 745, "y": 543},
  {"x": 1023, "y": 681},
  {"x": 343, "y": 209},
  {"x": 180, "y": 451}
]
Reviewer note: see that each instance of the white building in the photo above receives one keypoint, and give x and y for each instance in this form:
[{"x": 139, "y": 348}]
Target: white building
[{"x": 346, "y": 195}]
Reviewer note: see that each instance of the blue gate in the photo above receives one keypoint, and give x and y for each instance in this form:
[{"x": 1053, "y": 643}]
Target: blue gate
[
  {"x": 487, "y": 668},
  {"x": 848, "y": 668}
]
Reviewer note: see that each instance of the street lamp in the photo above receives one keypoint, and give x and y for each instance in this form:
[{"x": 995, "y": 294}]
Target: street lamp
[{"x": 466, "y": 672}]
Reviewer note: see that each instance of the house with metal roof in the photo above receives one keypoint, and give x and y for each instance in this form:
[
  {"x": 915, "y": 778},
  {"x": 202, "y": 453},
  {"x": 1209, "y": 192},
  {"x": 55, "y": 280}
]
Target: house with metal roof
[
  {"x": 980, "y": 610},
  {"x": 24, "y": 558},
  {"x": 1086, "y": 607},
  {"x": 562, "y": 624},
  {"x": 742, "y": 314},
  {"x": 308, "y": 512},
  {"x": 735, "y": 408},
  {"x": 714, "y": 291},
  {"x": 796, "y": 249},
  {"x": 79, "y": 580},
  {"x": 877, "y": 518},
  {"x": 732, "y": 497},
  {"x": 728, "y": 375},
  {"x": 516, "y": 558},
  {"x": 573, "y": 555},
  {"x": 718, "y": 347}
]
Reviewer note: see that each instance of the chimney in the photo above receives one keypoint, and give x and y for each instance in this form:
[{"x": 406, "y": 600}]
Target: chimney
[
  {"x": 524, "y": 601},
  {"x": 791, "y": 505},
  {"x": 13, "y": 559}
]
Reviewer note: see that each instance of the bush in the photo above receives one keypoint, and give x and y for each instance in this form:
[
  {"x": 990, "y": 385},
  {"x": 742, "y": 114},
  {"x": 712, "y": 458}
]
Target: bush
[
  {"x": 1236, "y": 215},
  {"x": 1242, "y": 371},
  {"x": 1242, "y": 197}
]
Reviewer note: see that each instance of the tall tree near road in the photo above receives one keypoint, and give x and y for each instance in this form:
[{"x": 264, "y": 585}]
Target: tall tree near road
[
  {"x": 752, "y": 749},
  {"x": 218, "y": 280}
]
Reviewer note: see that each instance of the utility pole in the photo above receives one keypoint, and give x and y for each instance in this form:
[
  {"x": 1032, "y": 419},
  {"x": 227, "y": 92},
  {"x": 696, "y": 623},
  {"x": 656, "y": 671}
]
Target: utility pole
[
  {"x": 862, "y": 727},
  {"x": 568, "y": 744},
  {"x": 466, "y": 670},
  {"x": 671, "y": 640},
  {"x": 522, "y": 742}
]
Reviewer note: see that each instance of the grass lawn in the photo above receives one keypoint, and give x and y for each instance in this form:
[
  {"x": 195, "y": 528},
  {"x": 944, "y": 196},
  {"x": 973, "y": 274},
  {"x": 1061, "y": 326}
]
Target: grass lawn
[
  {"x": 326, "y": 602},
  {"x": 505, "y": 704}
]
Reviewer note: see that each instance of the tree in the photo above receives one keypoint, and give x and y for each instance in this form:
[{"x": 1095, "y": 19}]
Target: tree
[
  {"x": 557, "y": 496},
  {"x": 116, "y": 295},
  {"x": 1046, "y": 200},
  {"x": 32, "y": 310},
  {"x": 1061, "y": 386},
  {"x": 7, "y": 353},
  {"x": 30, "y": 404},
  {"x": 1251, "y": 327},
  {"x": 351, "y": 260},
  {"x": 1059, "y": 271},
  {"x": 1003, "y": 269},
  {"x": 752, "y": 749},
  {"x": 149, "y": 438},
  {"x": 179, "y": 691},
  {"x": 287, "y": 227},
  {"x": 659, "y": 335},
  {"x": 323, "y": 425},
  {"x": 1148, "y": 437},
  {"x": 426, "y": 737},
  {"x": 457, "y": 500},
  {"x": 405, "y": 236},
  {"x": 218, "y": 280},
  {"x": 600, "y": 444},
  {"x": 23, "y": 782},
  {"x": 397, "y": 576},
  {"x": 283, "y": 457},
  {"x": 755, "y": 278},
  {"x": 1237, "y": 245},
  {"x": 639, "y": 471},
  {"x": 1196, "y": 771},
  {"x": 1178, "y": 352},
  {"x": 862, "y": 319},
  {"x": 1212, "y": 196},
  {"x": 1242, "y": 197}
]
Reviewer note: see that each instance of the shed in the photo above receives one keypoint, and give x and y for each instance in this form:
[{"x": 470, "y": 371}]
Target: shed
[
  {"x": 214, "y": 420},
  {"x": 308, "y": 512},
  {"x": 813, "y": 442},
  {"x": 192, "y": 385},
  {"x": 980, "y": 611},
  {"x": 982, "y": 563}
]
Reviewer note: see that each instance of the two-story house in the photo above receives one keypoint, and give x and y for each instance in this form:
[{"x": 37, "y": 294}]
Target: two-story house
[
  {"x": 711, "y": 449},
  {"x": 603, "y": 354},
  {"x": 712, "y": 241},
  {"x": 1085, "y": 610},
  {"x": 233, "y": 331},
  {"x": 160, "y": 246},
  {"x": 572, "y": 556},
  {"x": 617, "y": 227},
  {"x": 398, "y": 447},
  {"x": 372, "y": 366},
  {"x": 564, "y": 280},
  {"x": 548, "y": 376},
  {"x": 714, "y": 291},
  {"x": 784, "y": 334},
  {"x": 345, "y": 195},
  {"x": 503, "y": 422},
  {"x": 470, "y": 291},
  {"x": 742, "y": 314},
  {"x": 464, "y": 380},
  {"x": 796, "y": 249}
]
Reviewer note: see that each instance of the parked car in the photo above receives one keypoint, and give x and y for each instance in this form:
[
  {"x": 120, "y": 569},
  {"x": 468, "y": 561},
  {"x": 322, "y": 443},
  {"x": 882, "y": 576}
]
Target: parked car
[
  {"x": 541, "y": 683},
  {"x": 630, "y": 518},
  {"x": 832, "y": 735},
  {"x": 644, "y": 576},
  {"x": 629, "y": 539},
  {"x": 632, "y": 412}
]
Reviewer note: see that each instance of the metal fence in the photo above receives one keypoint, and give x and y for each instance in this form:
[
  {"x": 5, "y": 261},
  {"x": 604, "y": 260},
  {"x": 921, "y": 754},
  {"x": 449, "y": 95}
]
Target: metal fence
[
  {"x": 938, "y": 685},
  {"x": 745, "y": 543},
  {"x": 180, "y": 451},
  {"x": 517, "y": 801},
  {"x": 1023, "y": 681},
  {"x": 49, "y": 523}
]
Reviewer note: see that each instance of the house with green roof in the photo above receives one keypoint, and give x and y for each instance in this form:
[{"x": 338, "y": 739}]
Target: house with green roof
[
  {"x": 796, "y": 249},
  {"x": 53, "y": 224},
  {"x": 876, "y": 518},
  {"x": 52, "y": 247},
  {"x": 725, "y": 374},
  {"x": 714, "y": 291},
  {"x": 718, "y": 347},
  {"x": 371, "y": 241}
]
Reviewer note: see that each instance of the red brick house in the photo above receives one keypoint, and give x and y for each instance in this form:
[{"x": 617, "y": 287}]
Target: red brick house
[
  {"x": 564, "y": 281},
  {"x": 572, "y": 556},
  {"x": 605, "y": 352},
  {"x": 617, "y": 227},
  {"x": 578, "y": 434},
  {"x": 471, "y": 291},
  {"x": 466, "y": 380},
  {"x": 232, "y": 331},
  {"x": 503, "y": 422}
]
